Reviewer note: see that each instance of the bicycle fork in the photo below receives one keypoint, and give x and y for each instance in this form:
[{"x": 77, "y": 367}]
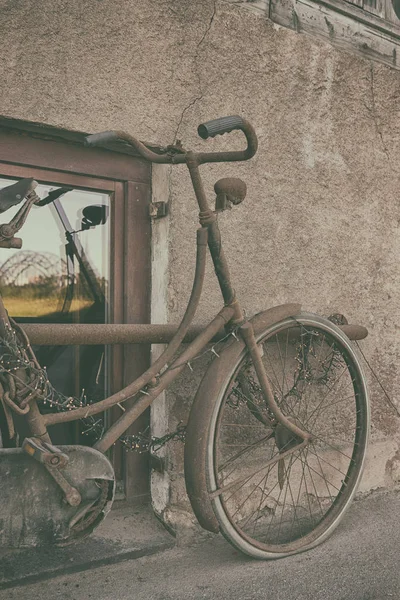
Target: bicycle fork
[
  {"x": 256, "y": 356},
  {"x": 208, "y": 219}
]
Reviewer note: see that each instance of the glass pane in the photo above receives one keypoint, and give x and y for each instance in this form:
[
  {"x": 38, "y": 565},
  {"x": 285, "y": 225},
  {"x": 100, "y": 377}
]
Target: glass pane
[{"x": 61, "y": 275}]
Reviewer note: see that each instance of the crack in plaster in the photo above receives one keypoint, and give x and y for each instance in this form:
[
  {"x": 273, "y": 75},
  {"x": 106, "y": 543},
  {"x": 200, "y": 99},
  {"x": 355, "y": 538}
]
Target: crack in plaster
[
  {"x": 372, "y": 110},
  {"x": 197, "y": 71}
]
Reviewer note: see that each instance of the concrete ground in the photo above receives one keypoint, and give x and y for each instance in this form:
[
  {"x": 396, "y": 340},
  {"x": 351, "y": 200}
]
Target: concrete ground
[{"x": 361, "y": 561}]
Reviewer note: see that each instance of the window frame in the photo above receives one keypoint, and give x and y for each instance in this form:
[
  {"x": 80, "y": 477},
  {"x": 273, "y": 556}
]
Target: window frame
[{"x": 56, "y": 157}]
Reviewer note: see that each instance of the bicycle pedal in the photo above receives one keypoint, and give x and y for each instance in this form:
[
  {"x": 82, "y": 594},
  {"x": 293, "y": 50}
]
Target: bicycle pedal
[{"x": 45, "y": 453}]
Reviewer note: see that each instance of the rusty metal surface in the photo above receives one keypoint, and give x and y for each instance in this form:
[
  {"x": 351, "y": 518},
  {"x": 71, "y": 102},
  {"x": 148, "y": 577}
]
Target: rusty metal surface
[
  {"x": 354, "y": 332},
  {"x": 175, "y": 155},
  {"x": 247, "y": 331},
  {"x": 229, "y": 190},
  {"x": 54, "y": 334},
  {"x": 196, "y": 432},
  {"x": 15, "y": 193},
  {"x": 199, "y": 418},
  {"x": 8, "y": 230},
  {"x": 133, "y": 388}
]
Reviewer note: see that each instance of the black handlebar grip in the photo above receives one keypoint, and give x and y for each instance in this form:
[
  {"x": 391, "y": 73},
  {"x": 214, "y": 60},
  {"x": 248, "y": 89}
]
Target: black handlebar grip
[
  {"x": 101, "y": 138},
  {"x": 220, "y": 126}
]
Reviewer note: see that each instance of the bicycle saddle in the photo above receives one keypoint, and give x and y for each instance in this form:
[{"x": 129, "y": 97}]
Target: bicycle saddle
[
  {"x": 15, "y": 193},
  {"x": 229, "y": 190}
]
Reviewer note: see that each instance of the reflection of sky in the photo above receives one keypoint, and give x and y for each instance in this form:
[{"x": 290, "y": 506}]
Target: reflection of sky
[{"x": 43, "y": 231}]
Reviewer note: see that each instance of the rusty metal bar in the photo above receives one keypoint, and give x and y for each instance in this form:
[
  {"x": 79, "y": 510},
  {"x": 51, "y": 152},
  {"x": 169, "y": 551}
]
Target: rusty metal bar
[
  {"x": 53, "y": 334},
  {"x": 131, "y": 390},
  {"x": 247, "y": 333},
  {"x": 143, "y": 402},
  {"x": 106, "y": 137},
  {"x": 168, "y": 354}
]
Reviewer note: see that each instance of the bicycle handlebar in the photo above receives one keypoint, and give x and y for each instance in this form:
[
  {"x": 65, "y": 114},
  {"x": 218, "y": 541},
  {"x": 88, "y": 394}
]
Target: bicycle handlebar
[
  {"x": 220, "y": 126},
  {"x": 205, "y": 130}
]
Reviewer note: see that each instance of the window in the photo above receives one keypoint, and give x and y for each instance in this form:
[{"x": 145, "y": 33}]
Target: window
[{"x": 105, "y": 278}]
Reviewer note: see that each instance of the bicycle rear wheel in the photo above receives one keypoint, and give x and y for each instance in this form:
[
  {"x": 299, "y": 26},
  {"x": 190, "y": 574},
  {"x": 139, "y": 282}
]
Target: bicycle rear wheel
[{"x": 267, "y": 506}]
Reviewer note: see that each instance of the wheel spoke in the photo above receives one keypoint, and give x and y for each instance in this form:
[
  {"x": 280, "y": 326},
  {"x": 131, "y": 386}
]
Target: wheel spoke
[{"x": 276, "y": 490}]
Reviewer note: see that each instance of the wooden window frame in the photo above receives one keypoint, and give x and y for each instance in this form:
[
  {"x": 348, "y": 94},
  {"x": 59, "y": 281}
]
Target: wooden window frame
[{"x": 54, "y": 156}]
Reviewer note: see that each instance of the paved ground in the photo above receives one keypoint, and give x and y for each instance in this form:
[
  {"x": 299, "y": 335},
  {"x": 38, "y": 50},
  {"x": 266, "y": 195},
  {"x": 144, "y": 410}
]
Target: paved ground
[
  {"x": 361, "y": 561},
  {"x": 126, "y": 533}
]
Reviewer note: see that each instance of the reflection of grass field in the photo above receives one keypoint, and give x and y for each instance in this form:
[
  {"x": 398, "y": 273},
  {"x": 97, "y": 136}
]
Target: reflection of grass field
[{"x": 39, "y": 307}]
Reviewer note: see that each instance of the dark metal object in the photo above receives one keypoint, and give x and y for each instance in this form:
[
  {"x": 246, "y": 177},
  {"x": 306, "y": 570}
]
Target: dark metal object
[
  {"x": 209, "y": 221},
  {"x": 93, "y": 215},
  {"x": 74, "y": 247},
  {"x": 220, "y": 126},
  {"x": 158, "y": 210},
  {"x": 157, "y": 463},
  {"x": 176, "y": 158},
  {"x": 143, "y": 442},
  {"x": 54, "y": 195},
  {"x": 32, "y": 512}
]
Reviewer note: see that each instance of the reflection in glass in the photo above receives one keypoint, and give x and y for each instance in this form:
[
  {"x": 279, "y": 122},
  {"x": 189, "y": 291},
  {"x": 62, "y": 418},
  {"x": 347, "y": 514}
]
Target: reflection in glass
[{"x": 61, "y": 275}]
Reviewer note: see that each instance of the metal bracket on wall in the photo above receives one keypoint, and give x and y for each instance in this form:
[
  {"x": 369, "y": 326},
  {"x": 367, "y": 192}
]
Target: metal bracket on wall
[
  {"x": 157, "y": 463},
  {"x": 158, "y": 210}
]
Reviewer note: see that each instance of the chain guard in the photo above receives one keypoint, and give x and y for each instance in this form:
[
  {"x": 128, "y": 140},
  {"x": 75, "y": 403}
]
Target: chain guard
[{"x": 33, "y": 510}]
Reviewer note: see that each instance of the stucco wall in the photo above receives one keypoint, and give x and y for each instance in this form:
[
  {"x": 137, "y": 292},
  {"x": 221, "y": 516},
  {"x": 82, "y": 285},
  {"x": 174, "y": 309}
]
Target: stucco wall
[{"x": 321, "y": 221}]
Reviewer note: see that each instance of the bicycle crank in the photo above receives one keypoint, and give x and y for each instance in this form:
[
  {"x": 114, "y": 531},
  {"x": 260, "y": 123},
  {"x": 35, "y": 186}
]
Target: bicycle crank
[{"x": 33, "y": 506}]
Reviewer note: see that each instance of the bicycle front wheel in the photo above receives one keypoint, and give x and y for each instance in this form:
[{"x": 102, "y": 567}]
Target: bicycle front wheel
[{"x": 271, "y": 507}]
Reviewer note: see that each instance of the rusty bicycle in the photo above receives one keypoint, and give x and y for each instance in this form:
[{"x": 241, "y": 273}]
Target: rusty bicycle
[{"x": 277, "y": 433}]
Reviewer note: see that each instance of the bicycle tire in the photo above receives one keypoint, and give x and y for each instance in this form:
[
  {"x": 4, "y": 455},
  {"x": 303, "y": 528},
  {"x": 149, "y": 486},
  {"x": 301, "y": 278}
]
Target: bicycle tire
[{"x": 296, "y": 503}]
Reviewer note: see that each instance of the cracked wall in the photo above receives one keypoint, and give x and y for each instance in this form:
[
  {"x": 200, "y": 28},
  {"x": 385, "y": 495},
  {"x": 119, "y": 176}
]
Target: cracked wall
[{"x": 321, "y": 221}]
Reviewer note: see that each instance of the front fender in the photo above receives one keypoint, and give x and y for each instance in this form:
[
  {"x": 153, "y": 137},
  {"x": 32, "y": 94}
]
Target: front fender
[{"x": 200, "y": 414}]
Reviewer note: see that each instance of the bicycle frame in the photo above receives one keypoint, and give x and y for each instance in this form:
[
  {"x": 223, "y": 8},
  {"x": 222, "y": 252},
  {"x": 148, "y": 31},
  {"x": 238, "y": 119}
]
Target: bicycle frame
[
  {"x": 151, "y": 383},
  {"x": 234, "y": 390}
]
